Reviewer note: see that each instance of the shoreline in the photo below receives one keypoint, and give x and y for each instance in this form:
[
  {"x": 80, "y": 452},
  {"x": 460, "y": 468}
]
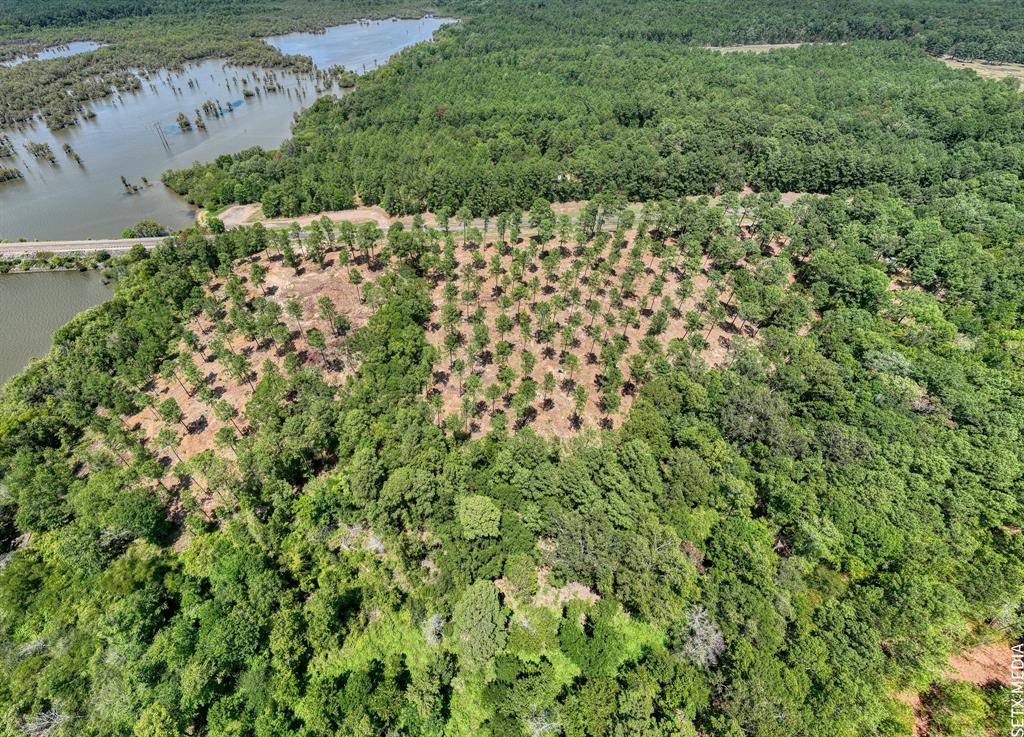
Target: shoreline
[{"x": 390, "y": 34}]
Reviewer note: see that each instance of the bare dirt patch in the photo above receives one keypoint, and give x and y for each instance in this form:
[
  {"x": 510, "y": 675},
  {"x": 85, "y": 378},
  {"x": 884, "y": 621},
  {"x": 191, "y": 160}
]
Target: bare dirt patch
[
  {"x": 234, "y": 216},
  {"x": 982, "y": 665},
  {"x": 560, "y": 313},
  {"x": 199, "y": 426},
  {"x": 548, "y": 596},
  {"x": 237, "y": 215},
  {"x": 547, "y": 314},
  {"x": 913, "y": 700},
  {"x": 987, "y": 69},
  {"x": 753, "y": 48}
]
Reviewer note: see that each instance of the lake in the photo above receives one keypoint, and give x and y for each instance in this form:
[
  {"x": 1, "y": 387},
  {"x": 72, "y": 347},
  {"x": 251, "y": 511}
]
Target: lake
[
  {"x": 34, "y": 305},
  {"x": 54, "y": 52},
  {"x": 136, "y": 135},
  {"x": 358, "y": 46}
]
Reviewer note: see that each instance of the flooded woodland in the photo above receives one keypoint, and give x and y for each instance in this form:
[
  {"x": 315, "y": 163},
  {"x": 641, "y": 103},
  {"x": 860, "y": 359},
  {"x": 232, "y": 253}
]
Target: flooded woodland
[{"x": 95, "y": 179}]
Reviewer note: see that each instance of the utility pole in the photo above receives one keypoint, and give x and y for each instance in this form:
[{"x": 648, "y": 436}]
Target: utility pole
[{"x": 163, "y": 136}]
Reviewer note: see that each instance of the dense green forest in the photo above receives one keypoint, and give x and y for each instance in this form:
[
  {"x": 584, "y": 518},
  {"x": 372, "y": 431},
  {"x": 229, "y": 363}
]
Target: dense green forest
[
  {"x": 772, "y": 548},
  {"x": 776, "y": 546},
  {"x": 504, "y": 108},
  {"x": 170, "y": 33}
]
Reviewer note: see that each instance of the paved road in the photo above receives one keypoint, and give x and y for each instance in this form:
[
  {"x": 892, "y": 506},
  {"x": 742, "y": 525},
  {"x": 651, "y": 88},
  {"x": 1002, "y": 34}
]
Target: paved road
[
  {"x": 237, "y": 214},
  {"x": 233, "y": 217},
  {"x": 111, "y": 245}
]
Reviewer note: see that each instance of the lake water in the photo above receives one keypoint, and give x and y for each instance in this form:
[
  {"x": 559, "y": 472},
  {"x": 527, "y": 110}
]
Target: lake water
[
  {"x": 358, "y": 46},
  {"x": 136, "y": 135},
  {"x": 72, "y": 49},
  {"x": 34, "y": 305}
]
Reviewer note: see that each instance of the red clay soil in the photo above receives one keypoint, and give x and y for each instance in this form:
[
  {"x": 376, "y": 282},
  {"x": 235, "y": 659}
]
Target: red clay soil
[
  {"x": 981, "y": 665},
  {"x": 309, "y": 284},
  {"x": 913, "y": 700},
  {"x": 281, "y": 285},
  {"x": 558, "y": 419}
]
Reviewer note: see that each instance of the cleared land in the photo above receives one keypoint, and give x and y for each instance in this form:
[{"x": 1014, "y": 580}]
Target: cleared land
[
  {"x": 983, "y": 665},
  {"x": 225, "y": 364},
  {"x": 235, "y": 216},
  {"x": 557, "y": 332},
  {"x": 562, "y": 337},
  {"x": 987, "y": 69},
  {"x": 752, "y": 48},
  {"x": 240, "y": 215}
]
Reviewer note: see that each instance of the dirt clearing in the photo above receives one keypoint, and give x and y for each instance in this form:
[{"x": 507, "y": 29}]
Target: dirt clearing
[{"x": 987, "y": 69}]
